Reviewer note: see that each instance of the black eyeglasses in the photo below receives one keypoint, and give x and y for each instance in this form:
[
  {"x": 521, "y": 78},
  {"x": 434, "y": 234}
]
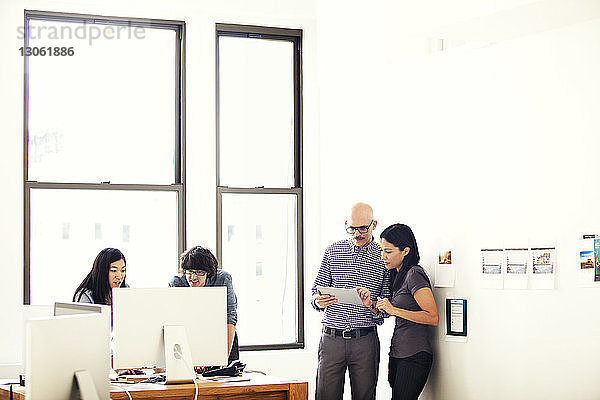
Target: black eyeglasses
[
  {"x": 360, "y": 229},
  {"x": 198, "y": 273}
]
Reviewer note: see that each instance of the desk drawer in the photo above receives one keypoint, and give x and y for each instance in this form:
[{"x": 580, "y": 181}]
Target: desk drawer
[{"x": 247, "y": 396}]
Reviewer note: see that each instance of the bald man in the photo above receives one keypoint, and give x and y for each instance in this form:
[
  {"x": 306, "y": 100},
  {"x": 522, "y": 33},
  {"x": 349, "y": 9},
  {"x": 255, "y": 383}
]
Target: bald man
[{"x": 349, "y": 339}]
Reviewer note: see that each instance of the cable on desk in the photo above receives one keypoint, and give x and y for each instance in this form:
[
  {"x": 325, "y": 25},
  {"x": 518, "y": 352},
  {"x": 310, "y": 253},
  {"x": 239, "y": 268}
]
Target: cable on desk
[
  {"x": 255, "y": 371},
  {"x": 177, "y": 352},
  {"x": 123, "y": 389}
]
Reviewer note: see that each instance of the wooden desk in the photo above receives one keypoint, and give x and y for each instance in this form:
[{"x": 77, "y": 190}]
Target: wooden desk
[{"x": 257, "y": 388}]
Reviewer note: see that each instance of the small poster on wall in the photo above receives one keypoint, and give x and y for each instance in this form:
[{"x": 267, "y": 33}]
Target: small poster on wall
[
  {"x": 491, "y": 268},
  {"x": 444, "y": 270},
  {"x": 516, "y": 268},
  {"x": 587, "y": 260},
  {"x": 543, "y": 267}
]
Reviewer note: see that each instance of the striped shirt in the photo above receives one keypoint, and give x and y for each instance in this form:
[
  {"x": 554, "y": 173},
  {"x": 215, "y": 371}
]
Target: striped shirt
[{"x": 347, "y": 266}]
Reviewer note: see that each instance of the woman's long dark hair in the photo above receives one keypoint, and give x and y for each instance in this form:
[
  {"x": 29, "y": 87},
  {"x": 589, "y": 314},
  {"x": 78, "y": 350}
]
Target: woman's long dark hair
[
  {"x": 97, "y": 279},
  {"x": 401, "y": 236}
]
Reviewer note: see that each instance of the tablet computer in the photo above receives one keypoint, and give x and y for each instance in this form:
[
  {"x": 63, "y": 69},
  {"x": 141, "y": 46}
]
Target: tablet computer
[{"x": 345, "y": 296}]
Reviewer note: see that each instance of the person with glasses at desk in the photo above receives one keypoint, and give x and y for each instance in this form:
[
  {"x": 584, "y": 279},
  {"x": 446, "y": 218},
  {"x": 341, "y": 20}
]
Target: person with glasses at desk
[
  {"x": 198, "y": 268},
  {"x": 349, "y": 338}
]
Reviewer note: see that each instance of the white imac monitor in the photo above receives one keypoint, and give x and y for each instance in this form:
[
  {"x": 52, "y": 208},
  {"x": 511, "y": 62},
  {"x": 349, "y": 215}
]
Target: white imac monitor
[
  {"x": 176, "y": 328},
  {"x": 57, "y": 349}
]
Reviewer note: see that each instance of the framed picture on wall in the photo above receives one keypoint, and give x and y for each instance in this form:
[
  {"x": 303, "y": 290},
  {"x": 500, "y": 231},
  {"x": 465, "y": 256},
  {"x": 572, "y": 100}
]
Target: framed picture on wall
[{"x": 456, "y": 317}]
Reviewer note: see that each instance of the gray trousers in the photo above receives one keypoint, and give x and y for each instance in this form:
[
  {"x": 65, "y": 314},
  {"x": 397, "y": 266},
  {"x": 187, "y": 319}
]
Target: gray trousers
[{"x": 361, "y": 357}]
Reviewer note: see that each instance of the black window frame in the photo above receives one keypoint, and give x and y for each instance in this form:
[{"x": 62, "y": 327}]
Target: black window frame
[
  {"x": 294, "y": 36},
  {"x": 178, "y": 185}
]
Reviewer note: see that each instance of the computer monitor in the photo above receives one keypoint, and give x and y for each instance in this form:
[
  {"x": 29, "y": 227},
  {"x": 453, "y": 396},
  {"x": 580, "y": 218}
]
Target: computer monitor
[
  {"x": 57, "y": 349},
  {"x": 175, "y": 328}
]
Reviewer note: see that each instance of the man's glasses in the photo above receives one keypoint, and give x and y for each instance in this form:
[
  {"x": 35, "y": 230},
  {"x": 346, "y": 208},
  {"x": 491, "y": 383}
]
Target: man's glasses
[
  {"x": 360, "y": 229},
  {"x": 198, "y": 273}
]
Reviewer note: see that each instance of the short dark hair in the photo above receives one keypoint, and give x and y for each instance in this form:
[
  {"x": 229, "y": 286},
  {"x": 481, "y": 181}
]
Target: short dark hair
[
  {"x": 401, "y": 236},
  {"x": 199, "y": 258}
]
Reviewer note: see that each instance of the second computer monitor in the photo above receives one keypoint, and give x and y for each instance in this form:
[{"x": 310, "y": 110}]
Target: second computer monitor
[
  {"x": 58, "y": 348},
  {"x": 139, "y": 316}
]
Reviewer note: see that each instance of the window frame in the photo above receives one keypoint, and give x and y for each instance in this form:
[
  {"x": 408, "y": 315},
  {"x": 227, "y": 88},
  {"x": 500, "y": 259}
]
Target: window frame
[
  {"x": 294, "y": 36},
  {"x": 178, "y": 185}
]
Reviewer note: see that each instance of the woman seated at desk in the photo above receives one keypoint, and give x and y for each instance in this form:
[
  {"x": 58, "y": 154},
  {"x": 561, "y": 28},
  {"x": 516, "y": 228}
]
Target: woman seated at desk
[
  {"x": 108, "y": 272},
  {"x": 198, "y": 268}
]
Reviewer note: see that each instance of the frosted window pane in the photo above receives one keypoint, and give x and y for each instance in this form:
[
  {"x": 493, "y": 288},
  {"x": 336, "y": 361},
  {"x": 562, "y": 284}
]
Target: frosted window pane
[
  {"x": 263, "y": 270},
  {"x": 59, "y": 264},
  {"x": 107, "y": 113},
  {"x": 256, "y": 115}
]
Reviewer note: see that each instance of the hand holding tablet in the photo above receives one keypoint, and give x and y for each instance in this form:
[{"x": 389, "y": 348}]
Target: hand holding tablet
[
  {"x": 324, "y": 300},
  {"x": 338, "y": 295}
]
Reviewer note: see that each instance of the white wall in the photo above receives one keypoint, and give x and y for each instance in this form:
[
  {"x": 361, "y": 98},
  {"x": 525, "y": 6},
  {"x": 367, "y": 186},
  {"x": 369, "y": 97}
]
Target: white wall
[
  {"x": 495, "y": 144},
  {"x": 11, "y": 176}
]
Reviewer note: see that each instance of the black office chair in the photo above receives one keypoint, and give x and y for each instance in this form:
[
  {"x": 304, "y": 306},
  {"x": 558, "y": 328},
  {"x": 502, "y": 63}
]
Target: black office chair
[{"x": 235, "y": 350}]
